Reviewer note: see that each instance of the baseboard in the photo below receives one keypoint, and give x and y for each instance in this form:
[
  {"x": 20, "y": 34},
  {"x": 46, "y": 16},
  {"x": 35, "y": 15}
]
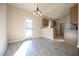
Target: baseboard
[
  {"x": 20, "y": 39},
  {"x": 16, "y": 40}
]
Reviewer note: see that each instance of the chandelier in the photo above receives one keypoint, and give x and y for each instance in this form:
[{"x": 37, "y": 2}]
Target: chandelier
[{"x": 37, "y": 12}]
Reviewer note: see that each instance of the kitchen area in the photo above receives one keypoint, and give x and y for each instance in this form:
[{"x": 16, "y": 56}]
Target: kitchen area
[{"x": 71, "y": 30}]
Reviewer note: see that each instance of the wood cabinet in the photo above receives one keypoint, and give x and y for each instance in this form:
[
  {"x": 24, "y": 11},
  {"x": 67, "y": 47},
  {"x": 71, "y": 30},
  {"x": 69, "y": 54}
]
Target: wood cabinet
[
  {"x": 45, "y": 22},
  {"x": 74, "y": 14}
]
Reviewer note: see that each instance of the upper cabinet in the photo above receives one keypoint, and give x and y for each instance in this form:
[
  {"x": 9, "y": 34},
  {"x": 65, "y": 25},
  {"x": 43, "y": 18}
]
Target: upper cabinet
[
  {"x": 74, "y": 14},
  {"x": 45, "y": 22}
]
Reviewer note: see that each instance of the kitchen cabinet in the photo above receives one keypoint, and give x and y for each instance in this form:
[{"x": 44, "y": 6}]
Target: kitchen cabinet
[
  {"x": 45, "y": 22},
  {"x": 74, "y": 14}
]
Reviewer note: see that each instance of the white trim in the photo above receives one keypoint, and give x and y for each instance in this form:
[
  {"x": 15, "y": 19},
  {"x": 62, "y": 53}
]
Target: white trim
[
  {"x": 16, "y": 40},
  {"x": 20, "y": 39}
]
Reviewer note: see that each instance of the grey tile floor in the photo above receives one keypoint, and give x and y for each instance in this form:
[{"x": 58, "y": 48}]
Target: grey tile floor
[{"x": 43, "y": 47}]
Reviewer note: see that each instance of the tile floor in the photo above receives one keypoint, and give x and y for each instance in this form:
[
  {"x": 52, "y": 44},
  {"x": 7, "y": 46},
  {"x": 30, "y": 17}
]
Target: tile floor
[{"x": 42, "y": 47}]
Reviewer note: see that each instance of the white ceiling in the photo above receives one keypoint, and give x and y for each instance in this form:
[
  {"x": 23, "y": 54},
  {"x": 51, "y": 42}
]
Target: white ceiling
[{"x": 54, "y": 10}]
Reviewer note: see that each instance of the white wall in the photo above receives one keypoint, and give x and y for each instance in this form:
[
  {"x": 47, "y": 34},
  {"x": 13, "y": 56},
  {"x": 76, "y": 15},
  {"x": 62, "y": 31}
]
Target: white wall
[
  {"x": 16, "y": 29},
  {"x": 64, "y": 20},
  {"x": 3, "y": 30},
  {"x": 37, "y": 27}
]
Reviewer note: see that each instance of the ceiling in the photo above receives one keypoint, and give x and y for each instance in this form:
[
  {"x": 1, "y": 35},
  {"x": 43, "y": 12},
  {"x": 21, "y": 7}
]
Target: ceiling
[{"x": 54, "y": 10}]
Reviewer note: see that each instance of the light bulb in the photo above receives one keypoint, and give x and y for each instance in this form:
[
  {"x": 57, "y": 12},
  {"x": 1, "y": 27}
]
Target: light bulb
[
  {"x": 34, "y": 13},
  {"x": 38, "y": 12}
]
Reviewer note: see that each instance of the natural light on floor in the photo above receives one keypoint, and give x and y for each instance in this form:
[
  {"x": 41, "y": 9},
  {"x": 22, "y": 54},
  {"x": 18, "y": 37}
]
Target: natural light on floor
[{"x": 23, "y": 49}]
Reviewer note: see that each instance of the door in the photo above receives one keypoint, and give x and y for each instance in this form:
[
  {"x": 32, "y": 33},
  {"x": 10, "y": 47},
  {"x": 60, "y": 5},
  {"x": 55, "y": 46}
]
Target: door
[{"x": 28, "y": 28}]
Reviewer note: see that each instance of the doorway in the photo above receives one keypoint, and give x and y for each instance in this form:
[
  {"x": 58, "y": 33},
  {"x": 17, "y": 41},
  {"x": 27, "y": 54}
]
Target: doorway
[
  {"x": 62, "y": 30},
  {"x": 28, "y": 28}
]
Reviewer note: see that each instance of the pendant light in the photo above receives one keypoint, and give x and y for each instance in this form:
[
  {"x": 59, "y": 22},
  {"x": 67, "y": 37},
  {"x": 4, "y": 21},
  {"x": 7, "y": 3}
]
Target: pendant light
[{"x": 37, "y": 12}]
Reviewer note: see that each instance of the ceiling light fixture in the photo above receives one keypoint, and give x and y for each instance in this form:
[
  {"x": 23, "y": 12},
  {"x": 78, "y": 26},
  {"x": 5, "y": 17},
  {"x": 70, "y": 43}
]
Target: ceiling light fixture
[{"x": 37, "y": 12}]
